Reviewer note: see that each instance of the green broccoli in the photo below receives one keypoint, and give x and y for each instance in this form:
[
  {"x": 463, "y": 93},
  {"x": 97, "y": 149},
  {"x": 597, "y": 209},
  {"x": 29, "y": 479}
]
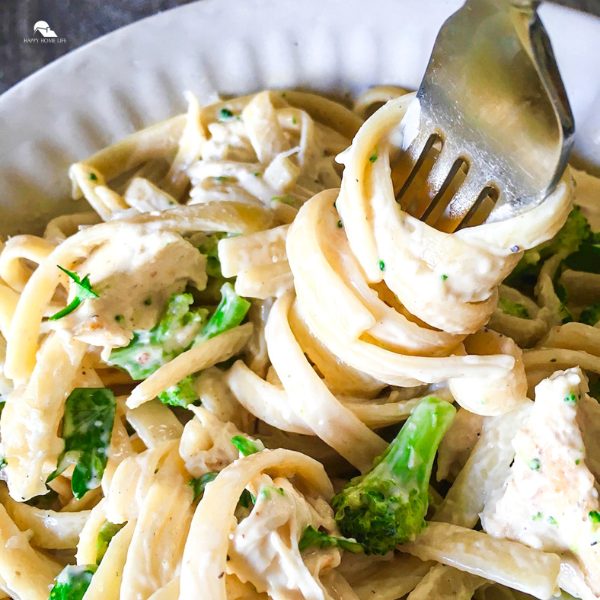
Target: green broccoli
[
  {"x": 180, "y": 394},
  {"x": 515, "y": 309},
  {"x": 573, "y": 233},
  {"x": 174, "y": 333},
  {"x": 590, "y": 315},
  {"x": 586, "y": 259},
  {"x": 229, "y": 314},
  {"x": 105, "y": 535},
  {"x": 313, "y": 538},
  {"x": 209, "y": 246},
  {"x": 387, "y": 506},
  {"x": 72, "y": 582}
]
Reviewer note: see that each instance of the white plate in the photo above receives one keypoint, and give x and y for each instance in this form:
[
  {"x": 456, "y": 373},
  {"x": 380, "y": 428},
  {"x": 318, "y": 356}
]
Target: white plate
[{"x": 136, "y": 76}]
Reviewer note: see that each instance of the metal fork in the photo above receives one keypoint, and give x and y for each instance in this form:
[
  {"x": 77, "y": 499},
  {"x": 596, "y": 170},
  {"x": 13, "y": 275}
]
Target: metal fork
[{"x": 494, "y": 106}]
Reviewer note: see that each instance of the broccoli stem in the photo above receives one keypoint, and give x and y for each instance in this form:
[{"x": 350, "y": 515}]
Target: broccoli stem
[
  {"x": 387, "y": 506},
  {"x": 229, "y": 314}
]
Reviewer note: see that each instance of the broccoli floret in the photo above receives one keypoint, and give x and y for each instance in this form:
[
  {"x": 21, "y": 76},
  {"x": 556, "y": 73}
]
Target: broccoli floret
[
  {"x": 515, "y": 309},
  {"x": 573, "y": 233},
  {"x": 174, "y": 333},
  {"x": 230, "y": 312},
  {"x": 387, "y": 506},
  {"x": 590, "y": 315}
]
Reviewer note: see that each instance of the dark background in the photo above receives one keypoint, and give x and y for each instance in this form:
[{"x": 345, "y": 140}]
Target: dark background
[{"x": 81, "y": 21}]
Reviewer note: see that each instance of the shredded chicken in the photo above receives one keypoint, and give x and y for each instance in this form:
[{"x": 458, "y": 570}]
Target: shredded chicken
[
  {"x": 550, "y": 499},
  {"x": 134, "y": 274},
  {"x": 264, "y": 546}
]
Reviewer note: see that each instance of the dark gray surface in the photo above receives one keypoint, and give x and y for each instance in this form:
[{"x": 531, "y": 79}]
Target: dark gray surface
[{"x": 81, "y": 21}]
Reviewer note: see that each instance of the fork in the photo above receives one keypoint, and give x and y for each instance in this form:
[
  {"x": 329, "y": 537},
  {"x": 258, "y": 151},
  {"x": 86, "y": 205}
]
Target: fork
[{"x": 495, "y": 128}]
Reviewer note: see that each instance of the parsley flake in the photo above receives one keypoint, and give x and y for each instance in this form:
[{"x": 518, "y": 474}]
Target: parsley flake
[
  {"x": 225, "y": 114},
  {"x": 83, "y": 292},
  {"x": 246, "y": 446}
]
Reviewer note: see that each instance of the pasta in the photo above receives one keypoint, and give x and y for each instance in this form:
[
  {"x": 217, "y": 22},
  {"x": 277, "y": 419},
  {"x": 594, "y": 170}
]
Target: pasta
[{"x": 192, "y": 374}]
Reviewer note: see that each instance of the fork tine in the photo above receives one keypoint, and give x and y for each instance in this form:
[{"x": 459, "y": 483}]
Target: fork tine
[
  {"x": 439, "y": 180},
  {"x": 468, "y": 195},
  {"x": 409, "y": 163}
]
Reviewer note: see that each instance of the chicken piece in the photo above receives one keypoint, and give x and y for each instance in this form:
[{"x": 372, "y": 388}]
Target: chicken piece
[
  {"x": 264, "y": 546},
  {"x": 550, "y": 501},
  {"x": 206, "y": 443},
  {"x": 134, "y": 273}
]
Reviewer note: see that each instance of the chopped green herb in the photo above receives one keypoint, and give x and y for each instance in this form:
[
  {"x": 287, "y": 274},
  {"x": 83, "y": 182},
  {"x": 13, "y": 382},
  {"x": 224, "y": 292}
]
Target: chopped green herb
[
  {"x": 105, "y": 535},
  {"x": 72, "y": 582},
  {"x": 444, "y": 277},
  {"x": 537, "y": 517},
  {"x": 93, "y": 177},
  {"x": 552, "y": 360},
  {"x": 577, "y": 461},
  {"x": 87, "y": 426},
  {"x": 180, "y": 394},
  {"x": 225, "y": 179},
  {"x": 534, "y": 464},
  {"x": 83, "y": 291},
  {"x": 246, "y": 446},
  {"x": 552, "y": 521},
  {"x": 119, "y": 318},
  {"x": 225, "y": 114},
  {"x": 373, "y": 158},
  {"x": 199, "y": 485},
  {"x": 319, "y": 539},
  {"x": 257, "y": 174},
  {"x": 570, "y": 399},
  {"x": 340, "y": 224},
  {"x": 595, "y": 517},
  {"x": 381, "y": 265},
  {"x": 148, "y": 301},
  {"x": 294, "y": 122}
]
